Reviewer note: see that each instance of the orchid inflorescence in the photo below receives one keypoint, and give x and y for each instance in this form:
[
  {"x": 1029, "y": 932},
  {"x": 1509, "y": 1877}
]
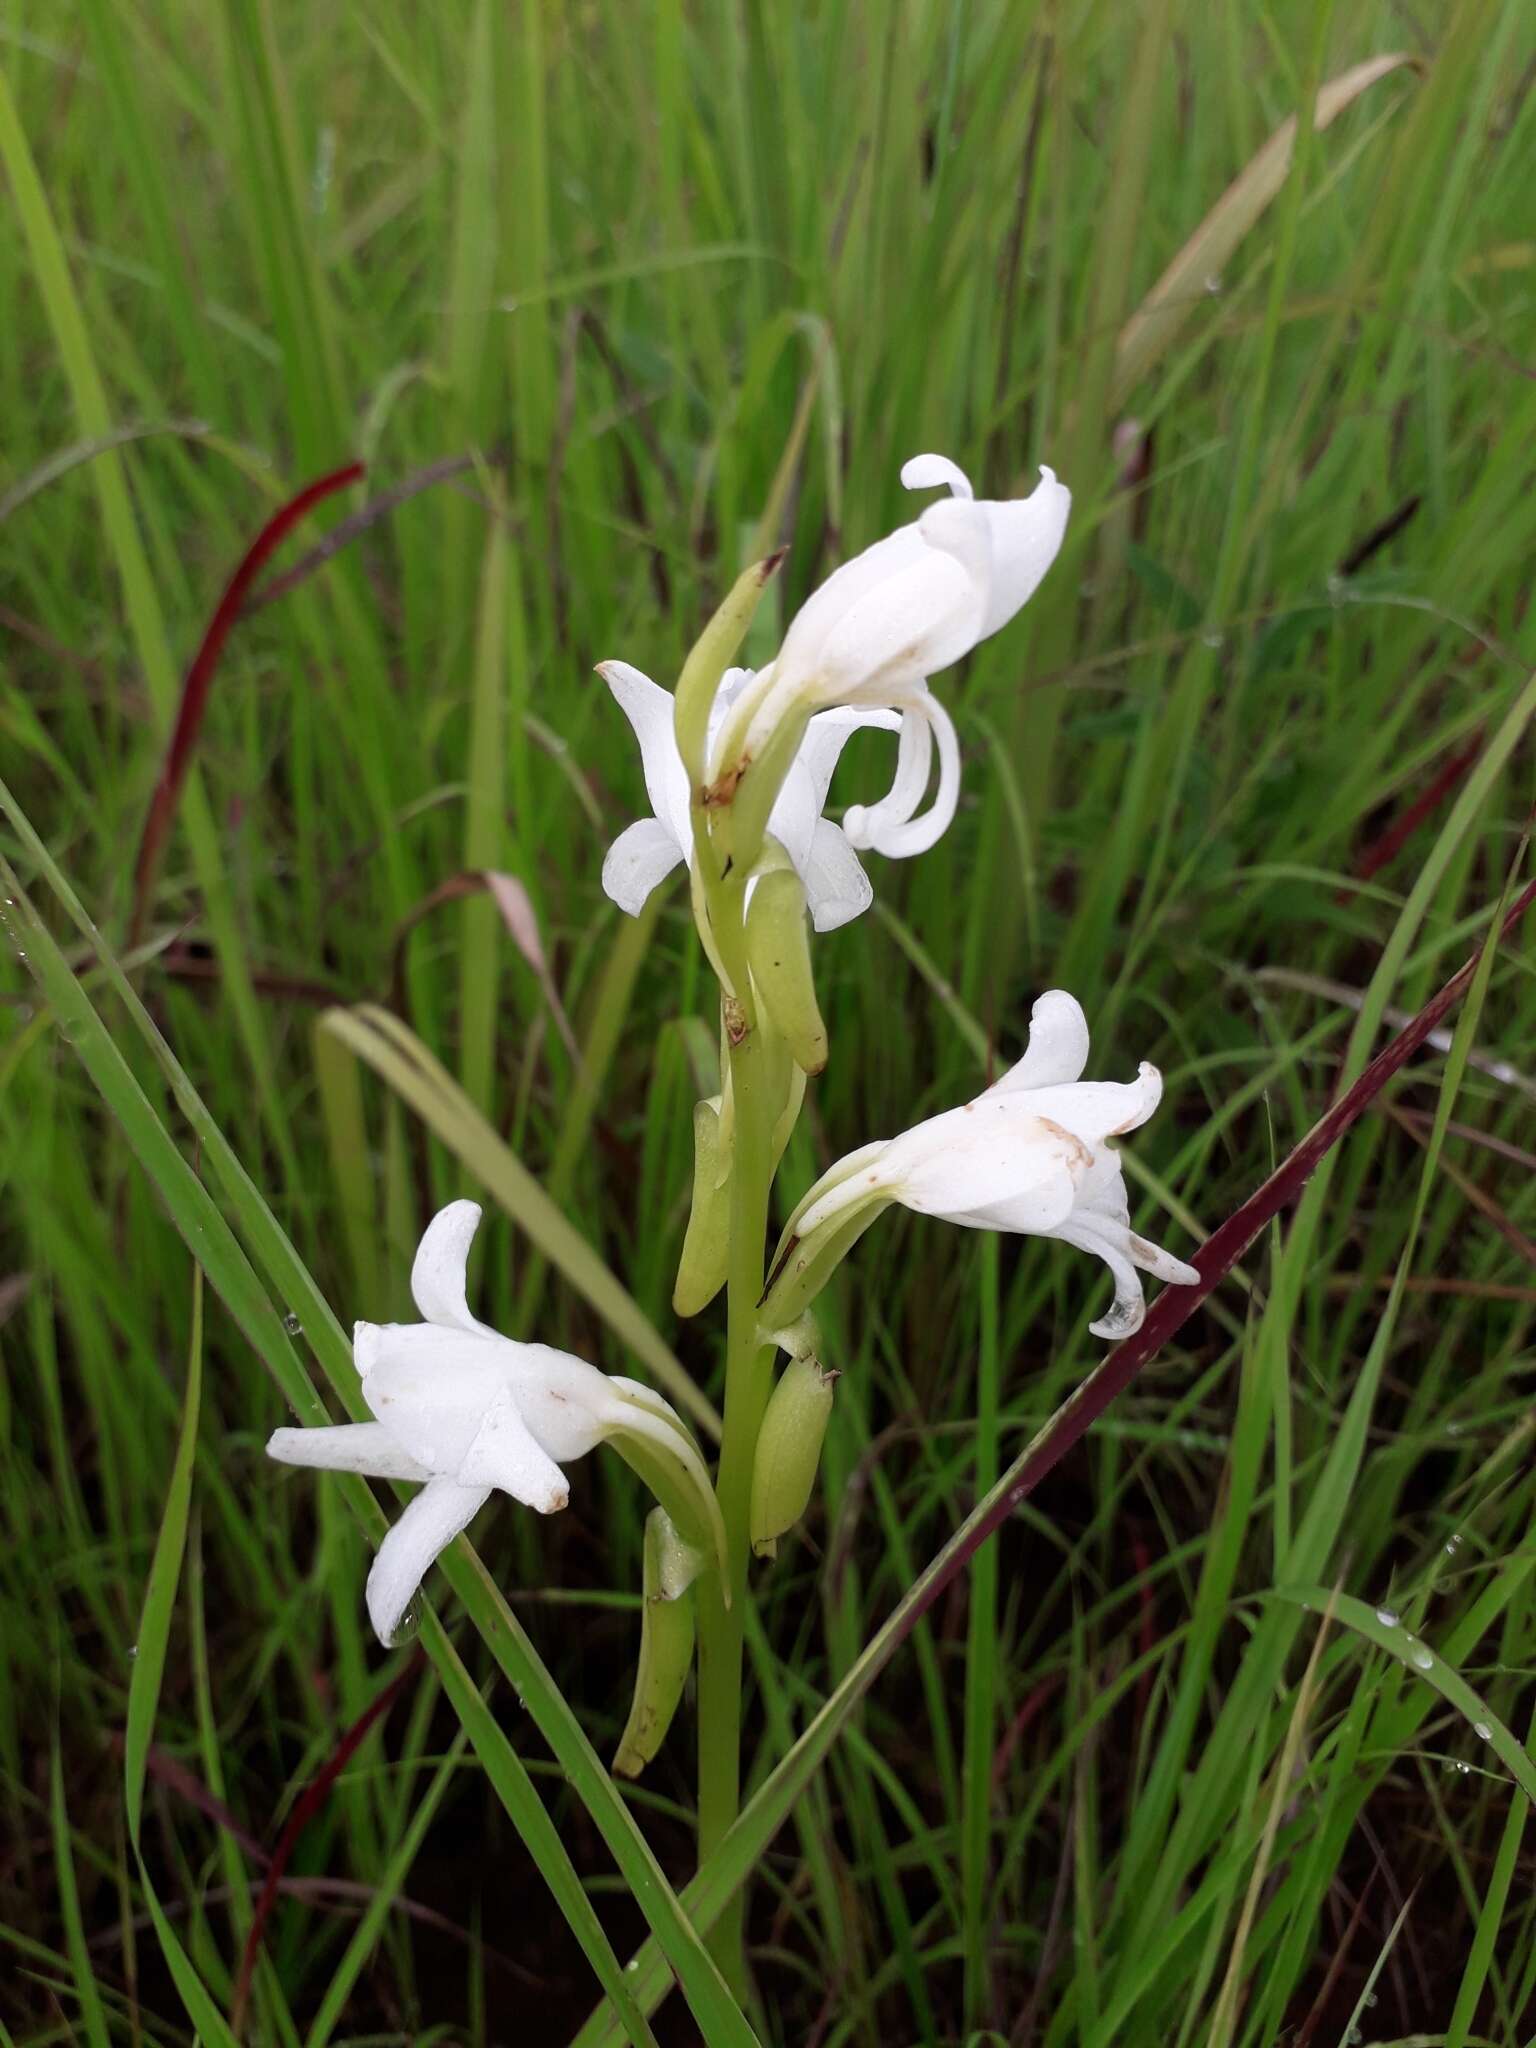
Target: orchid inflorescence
[{"x": 738, "y": 766}]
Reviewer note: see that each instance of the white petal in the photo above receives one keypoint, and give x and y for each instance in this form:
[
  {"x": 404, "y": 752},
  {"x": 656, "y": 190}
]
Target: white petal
[
  {"x": 792, "y": 821},
  {"x": 846, "y": 587},
  {"x": 901, "y": 633},
  {"x": 641, "y": 856},
  {"x": 428, "y": 1525},
  {"x": 864, "y": 823},
  {"x": 836, "y": 887},
  {"x": 925, "y": 472},
  {"x": 1026, "y": 538},
  {"x": 829, "y": 732},
  {"x": 992, "y": 1151},
  {"x": 1058, "y": 1045},
  {"x": 1162, "y": 1265},
  {"x": 365, "y": 1447},
  {"x": 437, "y": 1276},
  {"x": 890, "y": 827},
  {"x": 1126, "y": 1316},
  {"x": 1096, "y": 1110},
  {"x": 431, "y": 1387},
  {"x": 504, "y": 1454},
  {"x": 649, "y": 710},
  {"x": 564, "y": 1401}
]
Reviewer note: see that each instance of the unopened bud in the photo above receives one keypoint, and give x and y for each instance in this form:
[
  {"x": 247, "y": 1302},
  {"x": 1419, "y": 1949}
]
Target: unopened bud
[
  {"x": 666, "y": 1643},
  {"x": 706, "y": 1244},
  {"x": 789, "y": 1451},
  {"x": 709, "y": 659},
  {"x": 779, "y": 952}
]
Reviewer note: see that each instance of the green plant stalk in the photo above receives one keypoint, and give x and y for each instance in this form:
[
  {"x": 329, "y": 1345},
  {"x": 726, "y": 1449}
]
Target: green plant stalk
[{"x": 747, "y": 1382}]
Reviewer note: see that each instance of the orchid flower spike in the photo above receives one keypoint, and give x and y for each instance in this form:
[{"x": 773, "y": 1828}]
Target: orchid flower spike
[
  {"x": 1030, "y": 1155},
  {"x": 882, "y": 624},
  {"x": 836, "y": 887},
  {"x": 465, "y": 1411}
]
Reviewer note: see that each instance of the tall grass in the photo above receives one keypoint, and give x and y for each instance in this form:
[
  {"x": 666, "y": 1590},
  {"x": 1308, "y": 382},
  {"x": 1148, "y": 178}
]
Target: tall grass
[{"x": 683, "y": 282}]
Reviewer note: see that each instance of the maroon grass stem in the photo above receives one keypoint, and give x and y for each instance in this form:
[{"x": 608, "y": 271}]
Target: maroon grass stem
[
  {"x": 309, "y": 1802},
  {"x": 194, "y": 692},
  {"x": 1388, "y": 844}
]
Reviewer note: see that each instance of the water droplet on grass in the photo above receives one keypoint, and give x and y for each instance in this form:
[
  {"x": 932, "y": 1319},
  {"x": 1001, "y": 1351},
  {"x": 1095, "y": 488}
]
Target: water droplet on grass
[
  {"x": 292, "y": 1324},
  {"x": 1482, "y": 1731},
  {"x": 1422, "y": 1659},
  {"x": 1386, "y": 1617}
]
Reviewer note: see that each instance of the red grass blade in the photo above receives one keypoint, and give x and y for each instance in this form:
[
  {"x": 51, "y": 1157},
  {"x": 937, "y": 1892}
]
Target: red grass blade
[
  {"x": 309, "y": 1803},
  {"x": 194, "y": 693},
  {"x": 1387, "y": 845}
]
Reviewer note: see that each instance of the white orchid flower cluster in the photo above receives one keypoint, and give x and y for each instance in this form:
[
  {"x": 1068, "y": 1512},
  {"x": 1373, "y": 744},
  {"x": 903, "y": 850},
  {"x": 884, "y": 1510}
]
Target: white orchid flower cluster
[{"x": 738, "y": 767}]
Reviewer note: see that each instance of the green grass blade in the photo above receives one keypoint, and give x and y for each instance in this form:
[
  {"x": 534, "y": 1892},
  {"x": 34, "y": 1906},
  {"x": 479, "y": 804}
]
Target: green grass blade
[{"x": 405, "y": 1065}]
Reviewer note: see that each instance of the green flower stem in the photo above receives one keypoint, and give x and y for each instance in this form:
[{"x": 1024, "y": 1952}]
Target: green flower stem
[{"x": 748, "y": 1378}]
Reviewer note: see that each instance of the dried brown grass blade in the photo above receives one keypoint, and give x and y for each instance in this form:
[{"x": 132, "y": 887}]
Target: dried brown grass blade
[{"x": 1153, "y": 327}]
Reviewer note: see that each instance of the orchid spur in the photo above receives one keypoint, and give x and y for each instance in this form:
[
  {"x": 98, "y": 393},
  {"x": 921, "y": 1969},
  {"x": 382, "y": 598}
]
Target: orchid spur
[
  {"x": 1029, "y": 1155},
  {"x": 836, "y": 887},
  {"x": 465, "y": 1412}
]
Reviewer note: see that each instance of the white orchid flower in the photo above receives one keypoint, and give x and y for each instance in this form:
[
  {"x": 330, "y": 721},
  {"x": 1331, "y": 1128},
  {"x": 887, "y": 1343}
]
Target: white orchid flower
[
  {"x": 1030, "y": 1155},
  {"x": 882, "y": 624},
  {"x": 836, "y": 887},
  {"x": 466, "y": 1411}
]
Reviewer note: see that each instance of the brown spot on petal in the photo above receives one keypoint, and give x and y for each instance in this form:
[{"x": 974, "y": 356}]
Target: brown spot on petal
[{"x": 1080, "y": 1155}]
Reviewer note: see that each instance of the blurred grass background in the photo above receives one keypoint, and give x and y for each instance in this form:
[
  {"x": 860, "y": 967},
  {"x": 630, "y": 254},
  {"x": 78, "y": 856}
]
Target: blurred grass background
[{"x": 681, "y": 281}]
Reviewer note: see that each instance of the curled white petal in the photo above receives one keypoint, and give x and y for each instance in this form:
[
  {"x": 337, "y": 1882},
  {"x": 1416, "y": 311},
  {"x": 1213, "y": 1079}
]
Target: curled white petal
[
  {"x": 1096, "y": 1110},
  {"x": 1057, "y": 1051},
  {"x": 925, "y": 472},
  {"x": 890, "y": 826},
  {"x": 1026, "y": 538},
  {"x": 429, "y": 1524},
  {"x": 438, "y": 1273},
  {"x": 829, "y": 732}
]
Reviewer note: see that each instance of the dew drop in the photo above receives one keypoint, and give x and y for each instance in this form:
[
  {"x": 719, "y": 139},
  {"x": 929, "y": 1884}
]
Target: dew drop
[
  {"x": 1422, "y": 1659},
  {"x": 1482, "y": 1731},
  {"x": 632, "y": 1965},
  {"x": 1211, "y": 640},
  {"x": 406, "y": 1628},
  {"x": 1386, "y": 1617},
  {"x": 1372, "y": 1998},
  {"x": 133, "y": 1650},
  {"x": 292, "y": 1324},
  {"x": 1213, "y": 284}
]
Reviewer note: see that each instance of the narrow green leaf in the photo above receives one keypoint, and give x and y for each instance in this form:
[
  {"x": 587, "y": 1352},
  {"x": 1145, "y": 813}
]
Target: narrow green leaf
[{"x": 404, "y": 1064}]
